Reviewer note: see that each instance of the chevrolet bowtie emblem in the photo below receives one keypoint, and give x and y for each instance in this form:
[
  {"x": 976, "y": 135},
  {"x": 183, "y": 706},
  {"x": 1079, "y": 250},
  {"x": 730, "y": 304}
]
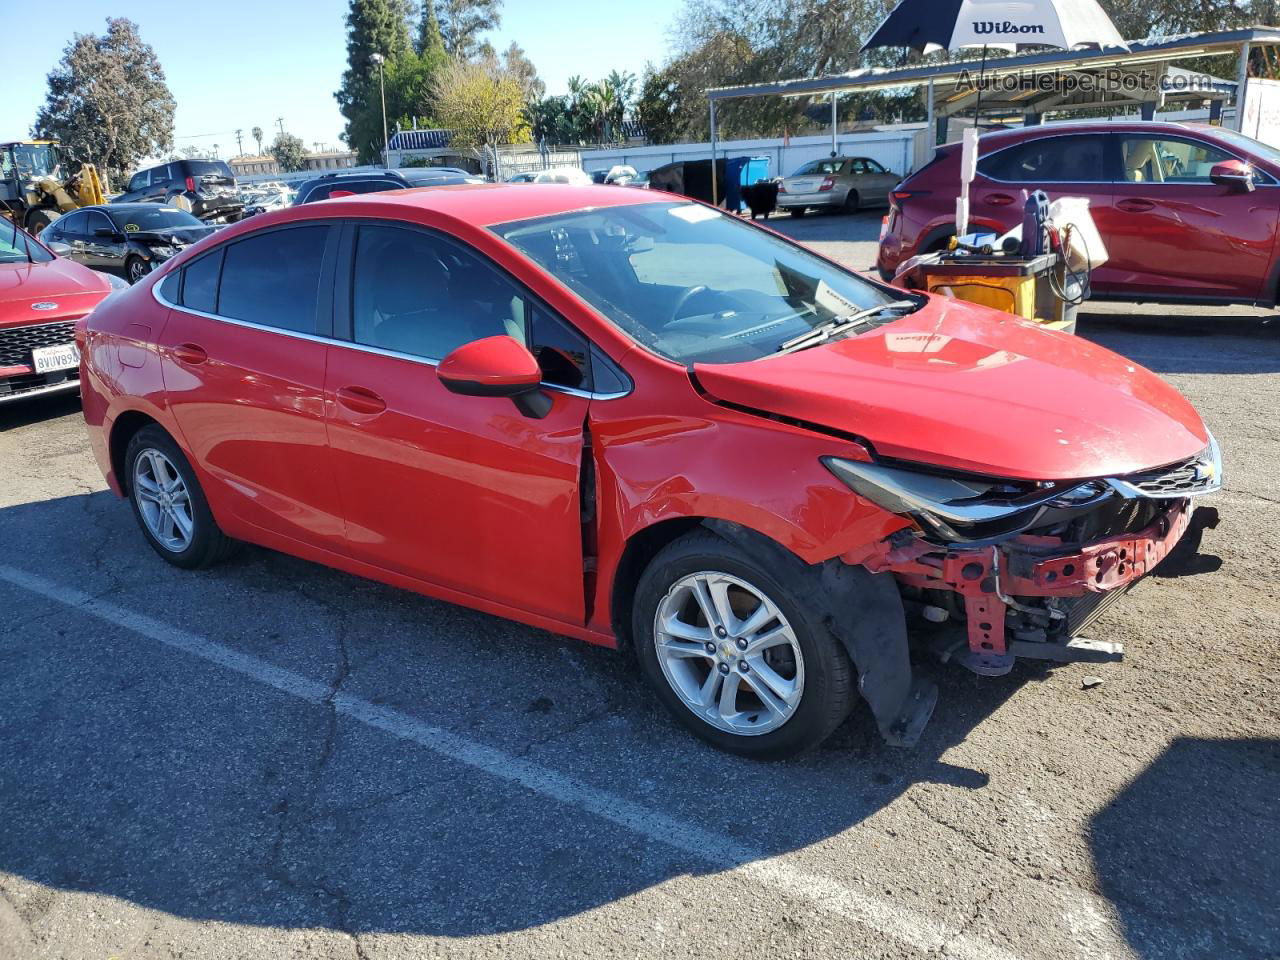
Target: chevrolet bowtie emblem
[{"x": 44, "y": 305}]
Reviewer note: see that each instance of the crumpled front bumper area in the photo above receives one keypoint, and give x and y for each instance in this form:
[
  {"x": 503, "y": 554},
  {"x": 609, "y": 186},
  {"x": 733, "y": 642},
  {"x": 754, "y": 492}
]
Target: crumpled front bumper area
[{"x": 1030, "y": 595}]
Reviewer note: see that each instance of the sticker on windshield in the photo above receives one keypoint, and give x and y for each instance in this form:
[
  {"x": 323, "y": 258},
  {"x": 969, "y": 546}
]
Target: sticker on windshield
[
  {"x": 131, "y": 228},
  {"x": 694, "y": 213}
]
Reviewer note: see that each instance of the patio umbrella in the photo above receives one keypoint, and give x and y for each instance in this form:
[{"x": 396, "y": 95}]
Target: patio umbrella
[{"x": 928, "y": 25}]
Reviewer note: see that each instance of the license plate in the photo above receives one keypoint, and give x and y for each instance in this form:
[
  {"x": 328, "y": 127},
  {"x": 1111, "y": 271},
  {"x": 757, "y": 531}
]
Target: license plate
[{"x": 64, "y": 356}]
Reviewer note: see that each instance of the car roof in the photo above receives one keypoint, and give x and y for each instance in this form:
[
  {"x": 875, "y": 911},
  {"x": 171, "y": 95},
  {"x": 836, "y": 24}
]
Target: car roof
[
  {"x": 1086, "y": 126},
  {"x": 485, "y": 204}
]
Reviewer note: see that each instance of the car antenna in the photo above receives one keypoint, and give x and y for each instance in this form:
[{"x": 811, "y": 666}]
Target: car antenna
[{"x": 26, "y": 246}]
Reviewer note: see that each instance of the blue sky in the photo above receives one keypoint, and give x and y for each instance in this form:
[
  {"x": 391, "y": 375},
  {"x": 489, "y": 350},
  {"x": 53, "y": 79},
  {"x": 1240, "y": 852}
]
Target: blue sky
[{"x": 239, "y": 64}]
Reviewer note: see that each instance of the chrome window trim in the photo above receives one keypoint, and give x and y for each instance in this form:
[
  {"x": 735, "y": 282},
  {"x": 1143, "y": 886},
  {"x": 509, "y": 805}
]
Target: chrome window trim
[{"x": 349, "y": 345}]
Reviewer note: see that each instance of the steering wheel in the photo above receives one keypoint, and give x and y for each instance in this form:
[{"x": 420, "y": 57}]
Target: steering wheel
[{"x": 685, "y": 296}]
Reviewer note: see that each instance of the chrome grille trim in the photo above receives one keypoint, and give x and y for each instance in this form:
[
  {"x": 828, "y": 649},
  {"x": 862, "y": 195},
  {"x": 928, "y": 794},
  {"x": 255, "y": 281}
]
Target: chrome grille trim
[
  {"x": 1199, "y": 475},
  {"x": 16, "y": 343}
]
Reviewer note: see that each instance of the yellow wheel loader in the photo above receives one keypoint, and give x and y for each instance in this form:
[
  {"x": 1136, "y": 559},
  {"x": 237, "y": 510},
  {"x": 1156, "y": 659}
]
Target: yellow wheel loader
[{"x": 35, "y": 191}]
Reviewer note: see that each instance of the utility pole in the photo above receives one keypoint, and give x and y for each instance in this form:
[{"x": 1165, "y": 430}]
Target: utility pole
[
  {"x": 239, "y": 145},
  {"x": 379, "y": 59},
  {"x": 215, "y": 152},
  {"x": 280, "y": 120}
]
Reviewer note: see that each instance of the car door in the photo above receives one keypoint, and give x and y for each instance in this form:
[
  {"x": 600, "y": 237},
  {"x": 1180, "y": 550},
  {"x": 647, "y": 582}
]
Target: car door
[
  {"x": 879, "y": 182},
  {"x": 243, "y": 357},
  {"x": 73, "y": 230},
  {"x": 1068, "y": 165},
  {"x": 460, "y": 491},
  {"x": 104, "y": 244},
  {"x": 1175, "y": 233}
]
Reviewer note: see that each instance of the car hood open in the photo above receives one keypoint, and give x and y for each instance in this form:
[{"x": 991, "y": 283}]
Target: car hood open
[{"x": 972, "y": 389}]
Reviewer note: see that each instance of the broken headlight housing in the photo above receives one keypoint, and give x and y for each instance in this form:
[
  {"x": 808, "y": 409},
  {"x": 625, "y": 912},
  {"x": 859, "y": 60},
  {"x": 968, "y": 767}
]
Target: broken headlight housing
[{"x": 966, "y": 509}]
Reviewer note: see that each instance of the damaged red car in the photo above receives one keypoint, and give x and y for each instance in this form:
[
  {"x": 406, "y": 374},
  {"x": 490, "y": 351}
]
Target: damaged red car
[{"x": 635, "y": 420}]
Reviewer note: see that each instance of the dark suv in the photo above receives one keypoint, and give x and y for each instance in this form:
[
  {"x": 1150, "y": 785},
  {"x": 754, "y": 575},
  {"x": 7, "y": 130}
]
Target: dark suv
[
  {"x": 206, "y": 188},
  {"x": 348, "y": 182}
]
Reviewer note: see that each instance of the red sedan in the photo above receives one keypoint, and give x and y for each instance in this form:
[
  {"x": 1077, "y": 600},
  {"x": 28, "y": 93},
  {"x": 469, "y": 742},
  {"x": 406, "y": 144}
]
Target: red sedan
[
  {"x": 629, "y": 418},
  {"x": 41, "y": 298},
  {"x": 1189, "y": 213}
]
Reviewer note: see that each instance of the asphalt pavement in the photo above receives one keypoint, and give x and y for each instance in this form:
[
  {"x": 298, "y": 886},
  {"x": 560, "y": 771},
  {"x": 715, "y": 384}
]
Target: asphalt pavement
[{"x": 273, "y": 759}]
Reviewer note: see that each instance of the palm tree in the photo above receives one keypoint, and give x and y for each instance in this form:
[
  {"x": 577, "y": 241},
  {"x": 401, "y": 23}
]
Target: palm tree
[
  {"x": 604, "y": 105},
  {"x": 257, "y": 135}
]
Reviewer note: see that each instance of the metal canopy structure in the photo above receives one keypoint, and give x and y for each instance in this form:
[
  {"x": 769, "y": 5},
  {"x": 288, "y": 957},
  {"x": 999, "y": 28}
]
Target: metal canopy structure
[{"x": 1076, "y": 80}]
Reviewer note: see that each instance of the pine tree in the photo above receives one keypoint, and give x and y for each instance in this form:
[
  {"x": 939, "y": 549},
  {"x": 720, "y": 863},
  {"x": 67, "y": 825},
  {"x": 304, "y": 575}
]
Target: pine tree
[
  {"x": 373, "y": 26},
  {"x": 429, "y": 37}
]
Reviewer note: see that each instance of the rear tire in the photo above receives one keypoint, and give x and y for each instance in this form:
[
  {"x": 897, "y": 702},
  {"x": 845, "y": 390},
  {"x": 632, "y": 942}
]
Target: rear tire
[
  {"x": 806, "y": 681},
  {"x": 170, "y": 505},
  {"x": 851, "y": 202},
  {"x": 796, "y": 211}
]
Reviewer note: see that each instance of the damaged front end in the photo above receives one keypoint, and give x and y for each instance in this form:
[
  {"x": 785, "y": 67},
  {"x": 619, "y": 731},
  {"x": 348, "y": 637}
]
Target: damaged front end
[{"x": 1026, "y": 567}]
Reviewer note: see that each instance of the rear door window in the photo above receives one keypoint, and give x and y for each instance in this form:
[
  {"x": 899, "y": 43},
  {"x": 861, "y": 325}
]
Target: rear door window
[
  {"x": 1073, "y": 159},
  {"x": 273, "y": 278},
  {"x": 74, "y": 226}
]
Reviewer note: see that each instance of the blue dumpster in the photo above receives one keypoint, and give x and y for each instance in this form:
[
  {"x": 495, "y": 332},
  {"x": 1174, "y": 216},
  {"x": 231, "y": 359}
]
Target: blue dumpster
[{"x": 741, "y": 172}]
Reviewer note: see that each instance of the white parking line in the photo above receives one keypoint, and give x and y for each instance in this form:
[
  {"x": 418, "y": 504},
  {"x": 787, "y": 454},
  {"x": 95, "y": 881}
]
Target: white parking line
[{"x": 883, "y": 916}]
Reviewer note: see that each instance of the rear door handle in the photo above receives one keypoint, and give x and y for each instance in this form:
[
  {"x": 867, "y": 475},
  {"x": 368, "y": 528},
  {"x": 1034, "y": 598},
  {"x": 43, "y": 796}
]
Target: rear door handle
[
  {"x": 190, "y": 353},
  {"x": 1135, "y": 205},
  {"x": 999, "y": 199},
  {"x": 360, "y": 400}
]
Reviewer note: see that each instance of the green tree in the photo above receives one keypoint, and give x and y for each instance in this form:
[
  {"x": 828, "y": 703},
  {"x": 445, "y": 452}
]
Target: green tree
[
  {"x": 429, "y": 37},
  {"x": 483, "y": 106},
  {"x": 517, "y": 63},
  {"x": 463, "y": 21},
  {"x": 373, "y": 27},
  {"x": 660, "y": 107},
  {"x": 550, "y": 119},
  {"x": 256, "y": 133},
  {"x": 289, "y": 152},
  {"x": 107, "y": 101}
]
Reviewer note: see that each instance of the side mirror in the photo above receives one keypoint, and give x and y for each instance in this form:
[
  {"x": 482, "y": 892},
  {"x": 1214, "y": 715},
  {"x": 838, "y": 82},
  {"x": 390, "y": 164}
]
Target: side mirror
[
  {"x": 496, "y": 367},
  {"x": 106, "y": 233},
  {"x": 58, "y": 248},
  {"x": 1235, "y": 174}
]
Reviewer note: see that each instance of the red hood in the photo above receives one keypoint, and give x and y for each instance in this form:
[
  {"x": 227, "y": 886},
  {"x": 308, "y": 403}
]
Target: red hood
[
  {"x": 75, "y": 289},
  {"x": 969, "y": 388}
]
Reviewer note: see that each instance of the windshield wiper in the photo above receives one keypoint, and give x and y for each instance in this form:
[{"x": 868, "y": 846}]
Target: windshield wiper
[{"x": 838, "y": 325}]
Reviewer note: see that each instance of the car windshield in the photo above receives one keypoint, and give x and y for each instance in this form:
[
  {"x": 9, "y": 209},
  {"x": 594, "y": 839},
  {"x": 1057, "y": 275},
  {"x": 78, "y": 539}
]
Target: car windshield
[
  {"x": 1246, "y": 143},
  {"x": 15, "y": 247},
  {"x": 689, "y": 282},
  {"x": 147, "y": 218}
]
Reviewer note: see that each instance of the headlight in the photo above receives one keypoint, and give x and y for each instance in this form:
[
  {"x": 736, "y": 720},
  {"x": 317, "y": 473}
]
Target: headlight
[
  {"x": 963, "y": 509},
  {"x": 116, "y": 283},
  {"x": 163, "y": 253}
]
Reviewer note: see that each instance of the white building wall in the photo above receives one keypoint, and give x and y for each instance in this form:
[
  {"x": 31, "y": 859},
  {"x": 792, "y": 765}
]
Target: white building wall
[{"x": 895, "y": 148}]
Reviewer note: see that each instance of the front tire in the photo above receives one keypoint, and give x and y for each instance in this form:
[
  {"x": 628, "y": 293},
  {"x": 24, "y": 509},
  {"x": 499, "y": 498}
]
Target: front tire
[
  {"x": 135, "y": 268},
  {"x": 737, "y": 651},
  {"x": 170, "y": 505}
]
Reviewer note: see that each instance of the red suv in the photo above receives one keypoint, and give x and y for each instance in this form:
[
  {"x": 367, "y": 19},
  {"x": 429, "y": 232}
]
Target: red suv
[
  {"x": 1188, "y": 212},
  {"x": 630, "y": 418}
]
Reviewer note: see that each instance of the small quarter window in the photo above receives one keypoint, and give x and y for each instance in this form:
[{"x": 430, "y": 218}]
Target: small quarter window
[{"x": 200, "y": 283}]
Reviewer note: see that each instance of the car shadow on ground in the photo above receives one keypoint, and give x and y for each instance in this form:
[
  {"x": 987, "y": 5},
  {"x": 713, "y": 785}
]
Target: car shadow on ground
[
  {"x": 1189, "y": 852},
  {"x": 137, "y": 771},
  {"x": 23, "y": 413},
  {"x": 1186, "y": 342}
]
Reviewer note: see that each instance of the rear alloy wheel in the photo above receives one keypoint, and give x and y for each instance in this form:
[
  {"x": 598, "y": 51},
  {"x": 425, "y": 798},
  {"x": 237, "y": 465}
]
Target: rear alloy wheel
[
  {"x": 135, "y": 268},
  {"x": 732, "y": 652},
  {"x": 169, "y": 505}
]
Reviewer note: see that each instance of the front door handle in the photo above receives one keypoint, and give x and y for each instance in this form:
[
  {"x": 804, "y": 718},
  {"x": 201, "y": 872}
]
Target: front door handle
[
  {"x": 190, "y": 353},
  {"x": 1135, "y": 205},
  {"x": 360, "y": 400},
  {"x": 999, "y": 199}
]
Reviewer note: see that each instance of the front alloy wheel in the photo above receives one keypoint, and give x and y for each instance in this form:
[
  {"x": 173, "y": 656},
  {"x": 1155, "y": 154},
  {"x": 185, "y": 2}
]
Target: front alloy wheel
[
  {"x": 136, "y": 269},
  {"x": 729, "y": 653},
  {"x": 733, "y": 637}
]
